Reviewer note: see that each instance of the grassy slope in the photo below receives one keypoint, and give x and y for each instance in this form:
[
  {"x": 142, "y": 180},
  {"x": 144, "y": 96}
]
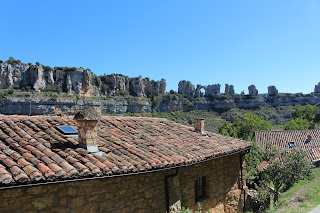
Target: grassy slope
[{"x": 302, "y": 197}]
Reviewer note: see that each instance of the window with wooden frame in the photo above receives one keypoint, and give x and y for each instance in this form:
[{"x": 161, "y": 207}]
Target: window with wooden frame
[{"x": 200, "y": 188}]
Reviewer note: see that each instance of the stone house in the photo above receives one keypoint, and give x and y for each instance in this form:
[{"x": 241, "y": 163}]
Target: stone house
[{"x": 117, "y": 164}]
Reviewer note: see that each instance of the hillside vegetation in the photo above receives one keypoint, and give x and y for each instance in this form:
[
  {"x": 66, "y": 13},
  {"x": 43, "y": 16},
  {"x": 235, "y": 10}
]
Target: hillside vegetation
[{"x": 213, "y": 120}]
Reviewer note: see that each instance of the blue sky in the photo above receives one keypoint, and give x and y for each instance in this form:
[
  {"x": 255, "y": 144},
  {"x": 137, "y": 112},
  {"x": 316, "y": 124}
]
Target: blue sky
[{"x": 265, "y": 42}]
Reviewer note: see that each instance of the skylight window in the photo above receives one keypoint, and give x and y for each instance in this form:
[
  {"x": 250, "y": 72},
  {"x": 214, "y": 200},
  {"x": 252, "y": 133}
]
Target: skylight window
[
  {"x": 67, "y": 130},
  {"x": 291, "y": 144}
]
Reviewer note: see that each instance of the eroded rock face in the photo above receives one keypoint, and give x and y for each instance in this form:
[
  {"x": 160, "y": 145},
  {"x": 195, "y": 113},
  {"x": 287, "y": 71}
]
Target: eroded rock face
[
  {"x": 272, "y": 91},
  {"x": 68, "y": 84},
  {"x": 213, "y": 90},
  {"x": 86, "y": 84},
  {"x": 11, "y": 74},
  {"x": 229, "y": 89},
  {"x": 317, "y": 88},
  {"x": 76, "y": 80},
  {"x": 186, "y": 88},
  {"x": 252, "y": 90},
  {"x": 34, "y": 77},
  {"x": 163, "y": 86},
  {"x": 50, "y": 78},
  {"x": 118, "y": 82},
  {"x": 137, "y": 86}
]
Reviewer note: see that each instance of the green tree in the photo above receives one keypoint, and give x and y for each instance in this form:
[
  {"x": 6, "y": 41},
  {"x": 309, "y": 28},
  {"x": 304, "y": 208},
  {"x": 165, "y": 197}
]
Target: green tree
[
  {"x": 245, "y": 127},
  {"x": 276, "y": 175},
  {"x": 287, "y": 169},
  {"x": 297, "y": 167},
  {"x": 297, "y": 124},
  {"x": 302, "y": 117},
  {"x": 307, "y": 112}
]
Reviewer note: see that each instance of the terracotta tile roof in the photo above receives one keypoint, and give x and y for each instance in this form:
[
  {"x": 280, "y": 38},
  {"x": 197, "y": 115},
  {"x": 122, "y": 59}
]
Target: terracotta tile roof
[
  {"x": 33, "y": 150},
  {"x": 281, "y": 140}
]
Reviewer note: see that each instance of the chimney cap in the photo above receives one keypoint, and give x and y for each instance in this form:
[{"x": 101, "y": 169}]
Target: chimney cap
[
  {"x": 199, "y": 119},
  {"x": 88, "y": 113}
]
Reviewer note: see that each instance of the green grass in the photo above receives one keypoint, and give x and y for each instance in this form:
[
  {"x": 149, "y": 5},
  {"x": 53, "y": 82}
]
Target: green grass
[{"x": 302, "y": 197}]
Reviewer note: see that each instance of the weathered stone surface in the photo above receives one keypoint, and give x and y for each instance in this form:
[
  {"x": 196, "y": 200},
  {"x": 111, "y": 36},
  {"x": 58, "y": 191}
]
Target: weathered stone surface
[
  {"x": 272, "y": 91},
  {"x": 118, "y": 82},
  {"x": 68, "y": 84},
  {"x": 50, "y": 78},
  {"x": 88, "y": 113},
  {"x": 76, "y": 81},
  {"x": 37, "y": 77},
  {"x": 163, "y": 86},
  {"x": 229, "y": 89},
  {"x": 252, "y": 90},
  {"x": 86, "y": 88},
  {"x": 317, "y": 88},
  {"x": 213, "y": 90},
  {"x": 137, "y": 86},
  {"x": 186, "y": 88},
  {"x": 11, "y": 74}
]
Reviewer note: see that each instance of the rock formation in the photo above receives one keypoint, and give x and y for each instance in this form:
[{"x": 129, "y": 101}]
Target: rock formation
[
  {"x": 213, "y": 90},
  {"x": 186, "y": 88},
  {"x": 163, "y": 86},
  {"x": 36, "y": 77},
  {"x": 137, "y": 86},
  {"x": 317, "y": 88},
  {"x": 272, "y": 91},
  {"x": 68, "y": 84},
  {"x": 252, "y": 90},
  {"x": 118, "y": 82},
  {"x": 50, "y": 80},
  {"x": 11, "y": 74},
  {"x": 229, "y": 89},
  {"x": 76, "y": 81}
]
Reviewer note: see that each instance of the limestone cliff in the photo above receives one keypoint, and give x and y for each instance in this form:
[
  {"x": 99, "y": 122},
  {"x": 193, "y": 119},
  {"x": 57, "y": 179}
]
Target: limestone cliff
[{"x": 77, "y": 81}]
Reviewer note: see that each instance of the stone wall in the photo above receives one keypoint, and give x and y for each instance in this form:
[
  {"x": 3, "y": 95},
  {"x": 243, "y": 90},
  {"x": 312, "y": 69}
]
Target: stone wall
[{"x": 134, "y": 193}]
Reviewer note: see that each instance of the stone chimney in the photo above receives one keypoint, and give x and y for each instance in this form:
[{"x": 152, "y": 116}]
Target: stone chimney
[
  {"x": 199, "y": 125},
  {"x": 87, "y": 122}
]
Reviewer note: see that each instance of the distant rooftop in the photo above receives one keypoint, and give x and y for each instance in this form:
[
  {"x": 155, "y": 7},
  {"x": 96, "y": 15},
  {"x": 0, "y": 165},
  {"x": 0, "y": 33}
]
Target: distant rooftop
[{"x": 307, "y": 140}]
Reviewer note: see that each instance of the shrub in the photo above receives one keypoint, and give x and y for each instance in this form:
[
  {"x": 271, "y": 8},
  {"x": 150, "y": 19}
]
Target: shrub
[
  {"x": 12, "y": 61},
  {"x": 52, "y": 88}
]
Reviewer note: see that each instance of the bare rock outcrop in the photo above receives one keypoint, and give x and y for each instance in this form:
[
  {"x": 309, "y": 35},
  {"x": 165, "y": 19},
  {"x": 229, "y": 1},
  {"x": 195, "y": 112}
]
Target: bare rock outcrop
[
  {"x": 86, "y": 89},
  {"x": 137, "y": 86},
  {"x": 68, "y": 84},
  {"x": 213, "y": 90},
  {"x": 36, "y": 77},
  {"x": 75, "y": 80},
  {"x": 50, "y": 80},
  {"x": 163, "y": 86},
  {"x": 252, "y": 90},
  {"x": 118, "y": 82},
  {"x": 229, "y": 89},
  {"x": 317, "y": 88},
  {"x": 272, "y": 91},
  {"x": 11, "y": 74},
  {"x": 186, "y": 88}
]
